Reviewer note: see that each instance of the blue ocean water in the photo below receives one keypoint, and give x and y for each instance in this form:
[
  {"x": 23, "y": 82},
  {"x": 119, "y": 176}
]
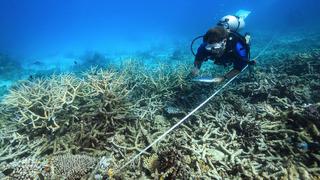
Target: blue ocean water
[
  {"x": 56, "y": 35},
  {"x": 39, "y": 29}
]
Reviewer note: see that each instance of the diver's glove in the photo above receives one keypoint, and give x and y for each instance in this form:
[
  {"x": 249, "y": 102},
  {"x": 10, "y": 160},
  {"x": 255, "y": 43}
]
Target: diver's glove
[
  {"x": 219, "y": 79},
  {"x": 247, "y": 37}
]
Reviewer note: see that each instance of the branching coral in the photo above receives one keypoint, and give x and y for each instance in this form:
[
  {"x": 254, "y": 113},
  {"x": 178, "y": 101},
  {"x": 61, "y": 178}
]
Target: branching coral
[
  {"x": 50, "y": 103},
  {"x": 247, "y": 129},
  {"x": 40, "y": 103},
  {"x": 60, "y": 106},
  {"x": 250, "y": 131},
  {"x": 154, "y": 86}
]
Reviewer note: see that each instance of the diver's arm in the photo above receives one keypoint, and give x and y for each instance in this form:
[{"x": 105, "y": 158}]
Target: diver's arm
[
  {"x": 241, "y": 60},
  {"x": 229, "y": 75},
  {"x": 196, "y": 68},
  {"x": 198, "y": 60}
]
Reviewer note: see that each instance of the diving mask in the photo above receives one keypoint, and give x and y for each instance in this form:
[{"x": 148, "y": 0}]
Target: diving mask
[{"x": 216, "y": 48}]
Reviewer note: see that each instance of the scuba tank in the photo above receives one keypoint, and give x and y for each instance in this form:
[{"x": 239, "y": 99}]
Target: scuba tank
[{"x": 234, "y": 22}]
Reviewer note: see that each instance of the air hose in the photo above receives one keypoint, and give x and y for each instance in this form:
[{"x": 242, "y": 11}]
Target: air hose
[{"x": 192, "y": 42}]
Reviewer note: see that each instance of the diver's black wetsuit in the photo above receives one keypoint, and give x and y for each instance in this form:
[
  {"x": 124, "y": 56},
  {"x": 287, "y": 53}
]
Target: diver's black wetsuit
[{"x": 236, "y": 53}]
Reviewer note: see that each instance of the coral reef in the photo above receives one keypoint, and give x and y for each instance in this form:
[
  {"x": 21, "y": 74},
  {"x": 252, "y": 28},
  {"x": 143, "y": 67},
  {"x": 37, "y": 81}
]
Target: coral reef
[
  {"x": 53, "y": 113},
  {"x": 261, "y": 127}
]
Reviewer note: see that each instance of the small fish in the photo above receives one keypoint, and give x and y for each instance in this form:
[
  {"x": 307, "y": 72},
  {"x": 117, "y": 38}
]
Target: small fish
[{"x": 75, "y": 62}]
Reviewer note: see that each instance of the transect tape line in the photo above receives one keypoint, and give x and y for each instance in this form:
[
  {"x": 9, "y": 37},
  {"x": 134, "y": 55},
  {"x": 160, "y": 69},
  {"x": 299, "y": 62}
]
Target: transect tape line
[
  {"x": 187, "y": 116},
  {"x": 181, "y": 121}
]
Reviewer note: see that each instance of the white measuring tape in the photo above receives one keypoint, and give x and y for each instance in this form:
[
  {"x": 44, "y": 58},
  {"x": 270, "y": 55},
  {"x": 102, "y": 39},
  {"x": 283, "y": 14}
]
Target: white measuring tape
[{"x": 187, "y": 116}]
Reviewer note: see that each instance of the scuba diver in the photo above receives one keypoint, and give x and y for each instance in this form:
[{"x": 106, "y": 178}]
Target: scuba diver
[{"x": 225, "y": 46}]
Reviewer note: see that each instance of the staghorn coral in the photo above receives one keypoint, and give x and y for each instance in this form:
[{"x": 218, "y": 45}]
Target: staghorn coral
[
  {"x": 40, "y": 104},
  {"x": 46, "y": 103},
  {"x": 296, "y": 172},
  {"x": 248, "y": 132},
  {"x": 59, "y": 107},
  {"x": 154, "y": 86}
]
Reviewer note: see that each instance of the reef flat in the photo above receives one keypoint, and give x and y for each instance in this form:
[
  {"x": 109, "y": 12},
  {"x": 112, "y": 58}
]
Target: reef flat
[{"x": 263, "y": 126}]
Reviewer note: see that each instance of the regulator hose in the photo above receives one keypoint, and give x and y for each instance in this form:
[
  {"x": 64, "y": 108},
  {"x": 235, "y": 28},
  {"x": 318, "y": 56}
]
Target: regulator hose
[{"x": 192, "y": 42}]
